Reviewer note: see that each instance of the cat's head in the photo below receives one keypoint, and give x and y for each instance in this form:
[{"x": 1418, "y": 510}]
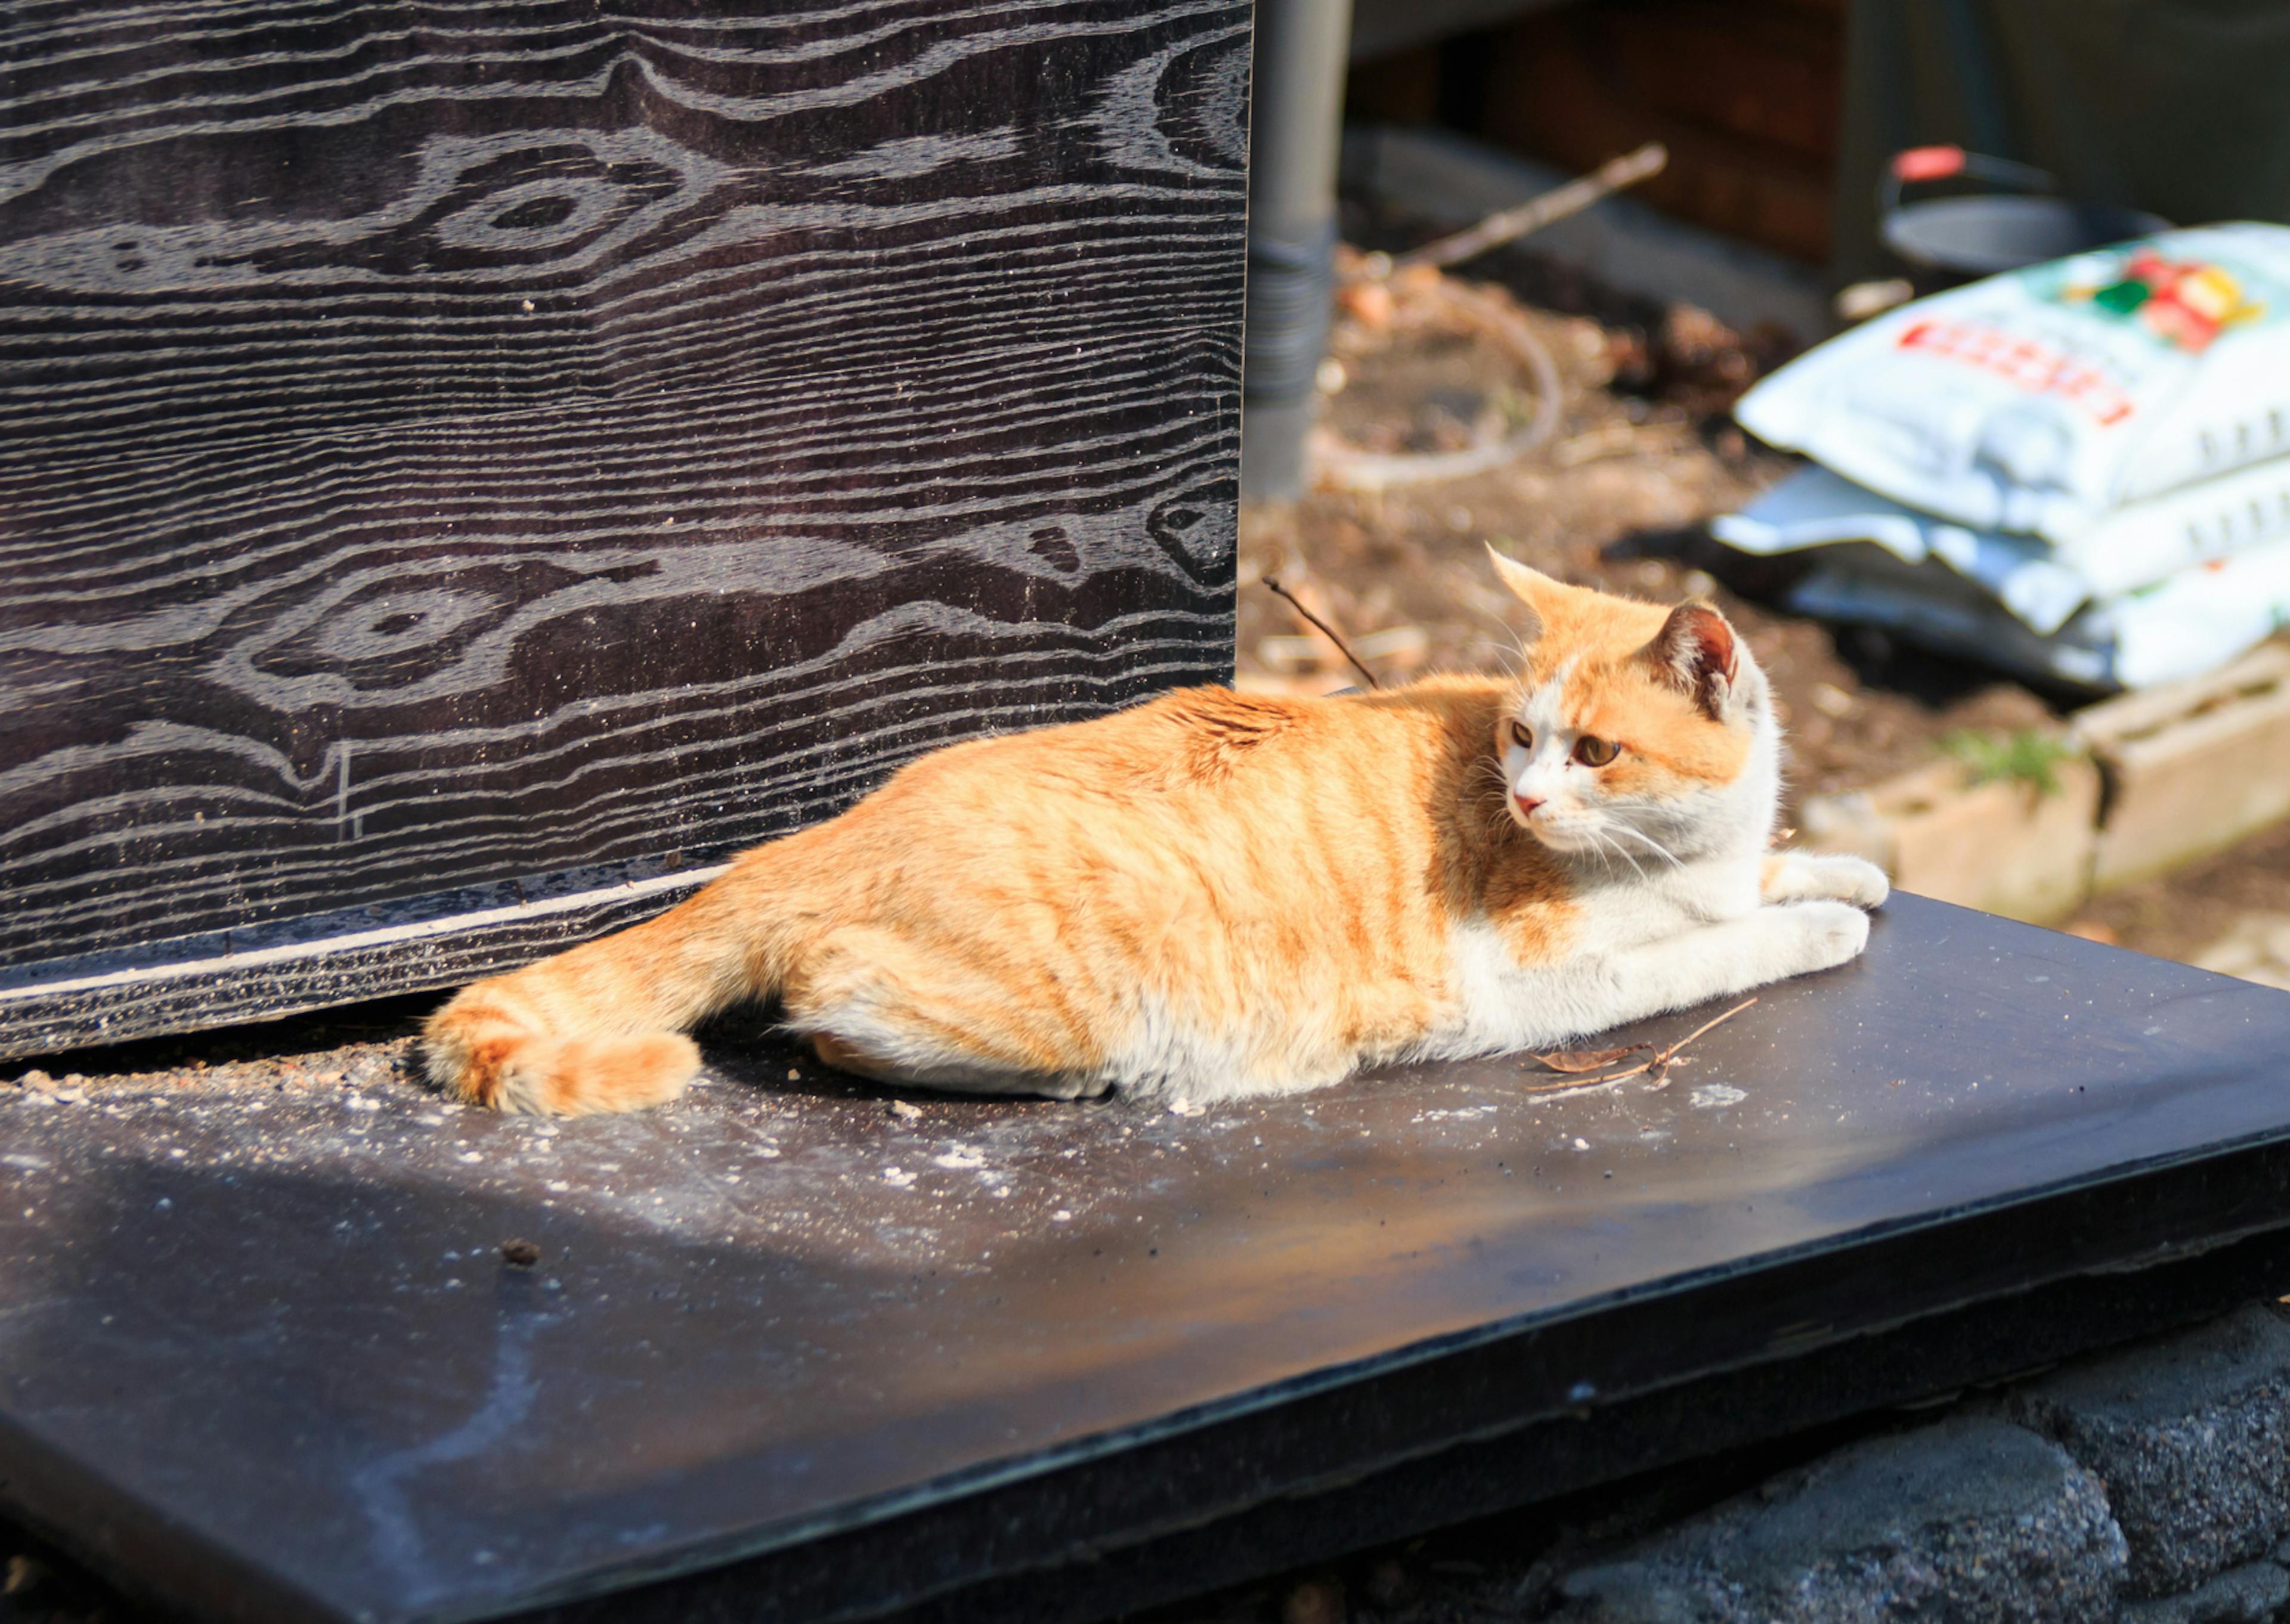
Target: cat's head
[{"x": 1634, "y": 733}]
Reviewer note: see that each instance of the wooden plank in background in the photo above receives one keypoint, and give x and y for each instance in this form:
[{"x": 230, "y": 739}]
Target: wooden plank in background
[{"x": 461, "y": 461}]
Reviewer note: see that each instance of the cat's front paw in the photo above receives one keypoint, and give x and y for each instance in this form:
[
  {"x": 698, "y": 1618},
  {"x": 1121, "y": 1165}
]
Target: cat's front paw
[
  {"x": 1855, "y": 880},
  {"x": 1823, "y": 934},
  {"x": 1805, "y": 876}
]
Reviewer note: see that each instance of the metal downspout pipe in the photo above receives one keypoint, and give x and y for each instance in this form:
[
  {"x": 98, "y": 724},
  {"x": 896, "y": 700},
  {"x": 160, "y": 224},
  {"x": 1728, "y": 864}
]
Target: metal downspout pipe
[{"x": 1297, "y": 107}]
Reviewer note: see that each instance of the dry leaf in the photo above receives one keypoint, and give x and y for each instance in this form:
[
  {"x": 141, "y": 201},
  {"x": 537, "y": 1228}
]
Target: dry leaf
[
  {"x": 1590, "y": 1060},
  {"x": 1587, "y": 1059}
]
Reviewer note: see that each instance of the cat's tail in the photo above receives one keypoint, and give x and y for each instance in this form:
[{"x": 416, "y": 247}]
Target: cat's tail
[{"x": 601, "y": 1026}]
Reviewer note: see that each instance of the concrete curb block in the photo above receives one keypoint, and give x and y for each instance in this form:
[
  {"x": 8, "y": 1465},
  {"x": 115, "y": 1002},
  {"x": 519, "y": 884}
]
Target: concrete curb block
[
  {"x": 2005, "y": 848},
  {"x": 2164, "y": 778},
  {"x": 2191, "y": 768}
]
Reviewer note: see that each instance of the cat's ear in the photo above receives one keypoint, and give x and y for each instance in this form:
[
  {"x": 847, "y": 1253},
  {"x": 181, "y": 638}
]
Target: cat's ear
[
  {"x": 1695, "y": 653},
  {"x": 1530, "y": 587}
]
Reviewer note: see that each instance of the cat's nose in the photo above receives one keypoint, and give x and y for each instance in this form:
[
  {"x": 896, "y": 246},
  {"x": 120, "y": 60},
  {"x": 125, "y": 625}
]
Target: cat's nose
[{"x": 1527, "y": 803}]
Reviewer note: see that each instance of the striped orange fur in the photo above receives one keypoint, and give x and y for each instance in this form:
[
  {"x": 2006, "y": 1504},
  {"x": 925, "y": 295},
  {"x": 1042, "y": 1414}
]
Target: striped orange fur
[{"x": 1209, "y": 895}]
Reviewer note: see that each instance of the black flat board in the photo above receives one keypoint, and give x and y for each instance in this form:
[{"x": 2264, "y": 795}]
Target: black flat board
[
  {"x": 264, "y": 1355},
  {"x": 465, "y": 467}
]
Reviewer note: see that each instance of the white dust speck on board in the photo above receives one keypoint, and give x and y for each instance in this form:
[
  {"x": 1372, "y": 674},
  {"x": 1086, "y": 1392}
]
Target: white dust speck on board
[
  {"x": 1714, "y": 1095},
  {"x": 1469, "y": 1113},
  {"x": 897, "y": 1178},
  {"x": 961, "y": 1155}
]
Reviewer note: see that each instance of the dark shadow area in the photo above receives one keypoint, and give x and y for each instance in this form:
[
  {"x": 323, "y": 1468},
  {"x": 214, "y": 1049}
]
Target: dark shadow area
[
  {"x": 380, "y": 1020},
  {"x": 1884, "y": 661},
  {"x": 1877, "y": 659},
  {"x": 40, "y": 1585}
]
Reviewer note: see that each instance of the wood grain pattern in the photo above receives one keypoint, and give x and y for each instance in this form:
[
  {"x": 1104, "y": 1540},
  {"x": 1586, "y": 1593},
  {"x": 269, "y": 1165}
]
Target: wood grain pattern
[{"x": 464, "y": 453}]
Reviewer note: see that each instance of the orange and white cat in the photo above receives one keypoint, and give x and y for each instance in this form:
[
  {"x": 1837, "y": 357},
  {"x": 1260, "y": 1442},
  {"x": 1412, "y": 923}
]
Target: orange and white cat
[{"x": 1219, "y": 894}]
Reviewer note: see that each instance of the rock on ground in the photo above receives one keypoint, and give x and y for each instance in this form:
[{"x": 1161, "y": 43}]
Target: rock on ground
[
  {"x": 2248, "y": 1594},
  {"x": 2191, "y": 1437},
  {"x": 1972, "y": 1518}
]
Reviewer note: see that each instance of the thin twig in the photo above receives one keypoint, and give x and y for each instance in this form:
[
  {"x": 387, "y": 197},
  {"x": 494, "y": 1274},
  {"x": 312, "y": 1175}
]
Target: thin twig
[
  {"x": 1272, "y": 583},
  {"x": 1536, "y": 212},
  {"x": 1658, "y": 1064},
  {"x": 1713, "y": 1021},
  {"x": 1572, "y": 1083}
]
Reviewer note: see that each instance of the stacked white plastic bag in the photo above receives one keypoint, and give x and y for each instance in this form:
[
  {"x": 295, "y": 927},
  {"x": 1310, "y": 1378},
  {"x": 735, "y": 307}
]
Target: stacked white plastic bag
[{"x": 2080, "y": 470}]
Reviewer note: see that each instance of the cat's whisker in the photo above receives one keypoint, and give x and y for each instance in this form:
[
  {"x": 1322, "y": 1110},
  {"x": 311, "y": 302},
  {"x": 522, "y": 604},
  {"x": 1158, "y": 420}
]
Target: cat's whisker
[
  {"x": 1661, "y": 850},
  {"x": 1496, "y": 812},
  {"x": 1499, "y": 632},
  {"x": 1619, "y": 850}
]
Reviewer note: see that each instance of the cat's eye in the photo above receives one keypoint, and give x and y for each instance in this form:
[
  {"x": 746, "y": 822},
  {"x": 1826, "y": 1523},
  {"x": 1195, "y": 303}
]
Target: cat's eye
[
  {"x": 1522, "y": 735},
  {"x": 1596, "y": 752}
]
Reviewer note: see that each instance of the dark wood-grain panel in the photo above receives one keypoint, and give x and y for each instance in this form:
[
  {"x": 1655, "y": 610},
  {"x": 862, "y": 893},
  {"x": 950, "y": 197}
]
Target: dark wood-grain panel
[{"x": 474, "y": 456}]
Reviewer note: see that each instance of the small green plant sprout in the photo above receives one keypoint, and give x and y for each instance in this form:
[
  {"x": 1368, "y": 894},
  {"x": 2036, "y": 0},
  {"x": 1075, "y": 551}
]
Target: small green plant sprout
[{"x": 2024, "y": 757}]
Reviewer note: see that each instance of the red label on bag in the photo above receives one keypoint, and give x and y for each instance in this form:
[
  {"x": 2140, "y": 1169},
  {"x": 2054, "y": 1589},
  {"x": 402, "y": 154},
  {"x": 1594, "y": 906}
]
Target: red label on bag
[{"x": 2037, "y": 368}]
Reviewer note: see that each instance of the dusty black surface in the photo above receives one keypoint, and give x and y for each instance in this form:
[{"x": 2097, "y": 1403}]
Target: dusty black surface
[{"x": 273, "y": 1350}]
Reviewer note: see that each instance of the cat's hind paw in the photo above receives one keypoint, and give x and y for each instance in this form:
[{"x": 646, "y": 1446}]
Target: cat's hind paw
[
  {"x": 483, "y": 1047},
  {"x": 1806, "y": 877},
  {"x": 573, "y": 1077}
]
